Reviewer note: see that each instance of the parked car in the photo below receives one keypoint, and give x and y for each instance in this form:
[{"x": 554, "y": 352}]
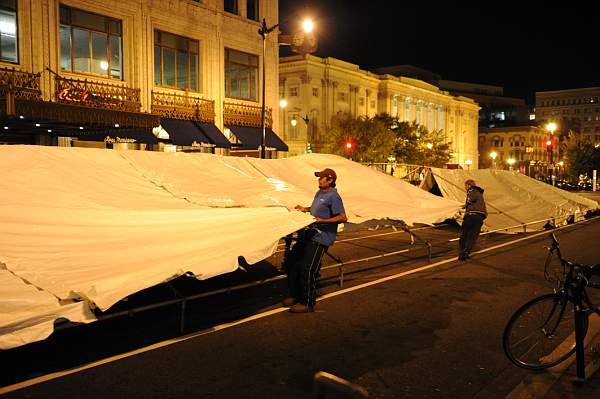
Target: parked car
[{"x": 567, "y": 185}]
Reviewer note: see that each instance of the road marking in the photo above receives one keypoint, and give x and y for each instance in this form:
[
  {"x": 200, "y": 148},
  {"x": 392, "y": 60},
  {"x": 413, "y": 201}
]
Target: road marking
[{"x": 220, "y": 327}]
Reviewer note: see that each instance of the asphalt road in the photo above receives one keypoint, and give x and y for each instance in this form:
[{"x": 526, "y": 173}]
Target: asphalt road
[{"x": 431, "y": 334}]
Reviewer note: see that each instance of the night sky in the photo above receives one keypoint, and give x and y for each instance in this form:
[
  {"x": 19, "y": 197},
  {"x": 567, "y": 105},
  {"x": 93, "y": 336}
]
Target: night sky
[{"x": 524, "y": 46}]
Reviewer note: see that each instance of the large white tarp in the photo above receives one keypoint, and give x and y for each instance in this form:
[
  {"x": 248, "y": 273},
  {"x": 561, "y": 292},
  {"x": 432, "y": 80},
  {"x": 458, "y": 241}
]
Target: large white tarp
[
  {"x": 515, "y": 202},
  {"x": 95, "y": 226}
]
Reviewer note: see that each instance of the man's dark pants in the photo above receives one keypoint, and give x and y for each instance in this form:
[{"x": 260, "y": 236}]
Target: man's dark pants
[
  {"x": 470, "y": 231},
  {"x": 303, "y": 268}
]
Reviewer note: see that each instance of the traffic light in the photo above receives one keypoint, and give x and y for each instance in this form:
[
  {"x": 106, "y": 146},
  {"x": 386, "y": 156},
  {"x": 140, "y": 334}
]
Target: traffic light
[
  {"x": 349, "y": 146},
  {"x": 549, "y": 145},
  {"x": 308, "y": 148}
]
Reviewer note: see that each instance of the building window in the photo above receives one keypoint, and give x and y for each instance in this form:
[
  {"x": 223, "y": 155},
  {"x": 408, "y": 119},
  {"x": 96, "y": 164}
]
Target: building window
[
  {"x": 372, "y": 103},
  {"x": 361, "y": 101},
  {"x": 293, "y": 91},
  {"x": 343, "y": 97},
  {"x": 230, "y": 6},
  {"x": 8, "y": 31},
  {"x": 315, "y": 92},
  {"x": 252, "y": 9},
  {"x": 241, "y": 72},
  {"x": 175, "y": 61},
  {"x": 90, "y": 43}
]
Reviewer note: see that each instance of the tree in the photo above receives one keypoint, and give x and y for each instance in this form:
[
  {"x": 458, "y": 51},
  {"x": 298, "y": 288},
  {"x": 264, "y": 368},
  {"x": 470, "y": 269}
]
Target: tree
[
  {"x": 375, "y": 139},
  {"x": 369, "y": 139},
  {"x": 580, "y": 156}
]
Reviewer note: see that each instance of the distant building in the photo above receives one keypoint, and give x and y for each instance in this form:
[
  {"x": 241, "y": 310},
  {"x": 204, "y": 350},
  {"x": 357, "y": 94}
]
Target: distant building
[
  {"x": 106, "y": 73},
  {"x": 318, "y": 88},
  {"x": 497, "y": 110},
  {"x": 525, "y": 145},
  {"x": 572, "y": 109}
]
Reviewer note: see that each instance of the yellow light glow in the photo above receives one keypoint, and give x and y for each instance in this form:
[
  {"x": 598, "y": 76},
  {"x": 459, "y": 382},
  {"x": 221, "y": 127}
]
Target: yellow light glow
[
  {"x": 308, "y": 25},
  {"x": 104, "y": 65},
  {"x": 510, "y": 161},
  {"x": 294, "y": 122},
  {"x": 493, "y": 154},
  {"x": 561, "y": 163},
  {"x": 429, "y": 145},
  {"x": 551, "y": 127},
  {"x": 468, "y": 162},
  {"x": 283, "y": 103}
]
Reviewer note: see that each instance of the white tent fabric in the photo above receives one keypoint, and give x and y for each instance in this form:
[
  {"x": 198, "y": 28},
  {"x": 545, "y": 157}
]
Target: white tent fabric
[
  {"x": 513, "y": 199},
  {"x": 27, "y": 314},
  {"x": 96, "y": 226}
]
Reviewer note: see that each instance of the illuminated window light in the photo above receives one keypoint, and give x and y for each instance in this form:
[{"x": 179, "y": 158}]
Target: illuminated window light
[
  {"x": 80, "y": 127},
  {"x": 37, "y": 125},
  {"x": 116, "y": 125},
  {"x": 5, "y": 127}
]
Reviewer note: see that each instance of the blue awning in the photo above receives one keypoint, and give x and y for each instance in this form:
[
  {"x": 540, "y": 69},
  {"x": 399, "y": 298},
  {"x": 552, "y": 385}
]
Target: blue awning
[
  {"x": 251, "y": 138},
  {"x": 144, "y": 136},
  {"x": 184, "y": 132},
  {"x": 214, "y": 134}
]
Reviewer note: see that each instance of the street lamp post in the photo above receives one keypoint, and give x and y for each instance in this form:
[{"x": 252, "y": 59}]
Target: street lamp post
[
  {"x": 493, "y": 155},
  {"x": 468, "y": 162},
  {"x": 307, "y": 44},
  {"x": 264, "y": 32}
]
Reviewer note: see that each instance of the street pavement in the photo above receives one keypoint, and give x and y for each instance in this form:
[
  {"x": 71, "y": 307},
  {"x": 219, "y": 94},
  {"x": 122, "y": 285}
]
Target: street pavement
[{"x": 430, "y": 334}]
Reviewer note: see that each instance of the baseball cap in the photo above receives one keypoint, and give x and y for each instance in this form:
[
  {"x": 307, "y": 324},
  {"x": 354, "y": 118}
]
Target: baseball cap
[{"x": 327, "y": 173}]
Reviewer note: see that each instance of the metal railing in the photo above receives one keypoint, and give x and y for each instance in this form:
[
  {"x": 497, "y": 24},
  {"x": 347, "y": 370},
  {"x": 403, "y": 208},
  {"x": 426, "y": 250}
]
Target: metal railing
[
  {"x": 245, "y": 115},
  {"x": 178, "y": 106},
  {"x": 96, "y": 94}
]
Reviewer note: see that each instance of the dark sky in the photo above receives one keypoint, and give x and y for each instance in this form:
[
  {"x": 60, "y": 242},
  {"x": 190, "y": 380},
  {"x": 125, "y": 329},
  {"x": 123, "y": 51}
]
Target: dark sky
[{"x": 524, "y": 46}]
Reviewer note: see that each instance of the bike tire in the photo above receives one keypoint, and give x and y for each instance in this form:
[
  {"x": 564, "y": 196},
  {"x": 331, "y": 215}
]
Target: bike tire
[{"x": 541, "y": 333}]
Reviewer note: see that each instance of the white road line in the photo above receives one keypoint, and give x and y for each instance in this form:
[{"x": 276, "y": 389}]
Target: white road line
[{"x": 52, "y": 376}]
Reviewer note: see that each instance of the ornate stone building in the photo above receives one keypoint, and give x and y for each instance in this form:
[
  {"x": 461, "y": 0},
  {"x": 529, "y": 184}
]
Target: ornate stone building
[
  {"x": 522, "y": 148},
  {"x": 318, "y": 88},
  {"x": 575, "y": 109},
  {"x": 76, "y": 70}
]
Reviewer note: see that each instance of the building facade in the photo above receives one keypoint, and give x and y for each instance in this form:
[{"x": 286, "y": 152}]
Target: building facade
[
  {"x": 316, "y": 89},
  {"x": 522, "y": 148},
  {"x": 81, "y": 68},
  {"x": 574, "y": 109}
]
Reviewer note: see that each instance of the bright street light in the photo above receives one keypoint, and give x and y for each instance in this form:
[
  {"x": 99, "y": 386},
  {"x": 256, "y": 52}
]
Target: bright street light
[
  {"x": 283, "y": 103},
  {"x": 551, "y": 127},
  {"x": 308, "y": 25},
  {"x": 468, "y": 162},
  {"x": 429, "y": 145},
  {"x": 510, "y": 162}
]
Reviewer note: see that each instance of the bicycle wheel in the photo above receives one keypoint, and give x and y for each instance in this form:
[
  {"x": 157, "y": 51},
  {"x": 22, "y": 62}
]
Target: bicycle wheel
[{"x": 541, "y": 333}]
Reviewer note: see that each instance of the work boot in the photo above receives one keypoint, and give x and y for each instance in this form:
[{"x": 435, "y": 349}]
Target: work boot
[
  {"x": 463, "y": 256},
  {"x": 300, "y": 308},
  {"x": 289, "y": 301}
]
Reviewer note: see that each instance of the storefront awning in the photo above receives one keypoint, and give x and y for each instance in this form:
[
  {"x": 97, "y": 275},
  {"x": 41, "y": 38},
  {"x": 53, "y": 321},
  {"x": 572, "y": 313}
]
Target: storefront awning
[
  {"x": 250, "y": 138},
  {"x": 184, "y": 132},
  {"x": 144, "y": 136},
  {"x": 214, "y": 134}
]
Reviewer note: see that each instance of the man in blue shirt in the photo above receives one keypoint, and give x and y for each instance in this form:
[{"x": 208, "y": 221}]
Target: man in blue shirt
[{"x": 304, "y": 261}]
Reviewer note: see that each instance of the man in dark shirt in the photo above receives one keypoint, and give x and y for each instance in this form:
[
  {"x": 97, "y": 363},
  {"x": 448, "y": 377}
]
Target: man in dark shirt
[
  {"x": 475, "y": 213},
  {"x": 304, "y": 261}
]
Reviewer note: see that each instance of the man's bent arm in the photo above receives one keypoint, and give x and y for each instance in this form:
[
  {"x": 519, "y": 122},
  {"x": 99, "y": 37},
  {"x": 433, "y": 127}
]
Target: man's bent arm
[{"x": 339, "y": 218}]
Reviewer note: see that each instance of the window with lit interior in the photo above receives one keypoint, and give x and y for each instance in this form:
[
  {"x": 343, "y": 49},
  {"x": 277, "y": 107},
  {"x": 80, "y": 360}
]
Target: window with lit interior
[
  {"x": 175, "y": 61},
  {"x": 90, "y": 43},
  {"x": 8, "y": 31},
  {"x": 241, "y": 75}
]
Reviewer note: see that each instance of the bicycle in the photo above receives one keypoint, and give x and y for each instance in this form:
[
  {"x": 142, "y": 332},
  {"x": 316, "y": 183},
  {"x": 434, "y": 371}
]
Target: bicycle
[{"x": 537, "y": 335}]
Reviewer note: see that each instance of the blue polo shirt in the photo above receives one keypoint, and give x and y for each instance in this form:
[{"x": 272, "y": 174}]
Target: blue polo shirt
[{"x": 326, "y": 205}]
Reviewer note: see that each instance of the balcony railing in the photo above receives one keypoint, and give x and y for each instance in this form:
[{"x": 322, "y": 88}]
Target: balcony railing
[
  {"x": 177, "y": 106},
  {"x": 97, "y": 95},
  {"x": 245, "y": 115},
  {"x": 20, "y": 85}
]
